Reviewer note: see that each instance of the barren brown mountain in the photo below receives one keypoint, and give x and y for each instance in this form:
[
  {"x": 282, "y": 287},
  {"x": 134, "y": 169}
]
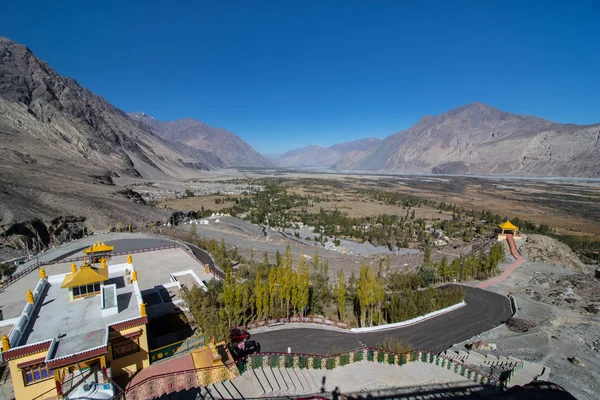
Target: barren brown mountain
[
  {"x": 196, "y": 134},
  {"x": 61, "y": 144},
  {"x": 479, "y": 139}
]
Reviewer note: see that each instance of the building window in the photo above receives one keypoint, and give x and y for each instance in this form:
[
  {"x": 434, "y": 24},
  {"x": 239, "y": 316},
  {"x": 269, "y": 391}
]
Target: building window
[
  {"x": 125, "y": 346},
  {"x": 86, "y": 290},
  {"x": 36, "y": 373}
]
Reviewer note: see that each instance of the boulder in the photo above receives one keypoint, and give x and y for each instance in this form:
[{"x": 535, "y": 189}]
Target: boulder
[{"x": 576, "y": 361}]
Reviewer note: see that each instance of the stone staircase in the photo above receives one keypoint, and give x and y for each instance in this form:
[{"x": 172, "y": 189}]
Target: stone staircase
[
  {"x": 359, "y": 377},
  {"x": 267, "y": 381}
]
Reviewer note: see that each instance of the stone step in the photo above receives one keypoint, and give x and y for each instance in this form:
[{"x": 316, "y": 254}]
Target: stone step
[
  {"x": 315, "y": 377},
  {"x": 294, "y": 384},
  {"x": 233, "y": 389},
  {"x": 261, "y": 380},
  {"x": 272, "y": 379},
  {"x": 306, "y": 382},
  {"x": 283, "y": 379},
  {"x": 264, "y": 380},
  {"x": 205, "y": 393}
]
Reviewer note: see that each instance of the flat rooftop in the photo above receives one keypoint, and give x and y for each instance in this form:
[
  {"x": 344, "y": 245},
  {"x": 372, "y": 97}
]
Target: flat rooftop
[{"x": 58, "y": 317}]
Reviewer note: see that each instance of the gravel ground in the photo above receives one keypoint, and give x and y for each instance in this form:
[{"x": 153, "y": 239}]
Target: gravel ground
[{"x": 559, "y": 329}]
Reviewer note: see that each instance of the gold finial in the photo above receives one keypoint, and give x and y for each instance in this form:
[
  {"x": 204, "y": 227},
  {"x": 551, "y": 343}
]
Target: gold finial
[
  {"x": 103, "y": 262},
  {"x": 43, "y": 273},
  {"x": 143, "y": 310},
  {"x": 134, "y": 276},
  {"x": 129, "y": 259},
  {"x": 5, "y": 343},
  {"x": 85, "y": 264},
  {"x": 29, "y": 295},
  {"x": 213, "y": 348},
  {"x": 73, "y": 268}
]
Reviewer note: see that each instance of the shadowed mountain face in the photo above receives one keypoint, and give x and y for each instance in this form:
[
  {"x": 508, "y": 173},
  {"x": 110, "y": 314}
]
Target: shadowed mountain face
[
  {"x": 335, "y": 156},
  {"x": 480, "y": 139},
  {"x": 60, "y": 146},
  {"x": 52, "y": 119},
  {"x": 196, "y": 134}
]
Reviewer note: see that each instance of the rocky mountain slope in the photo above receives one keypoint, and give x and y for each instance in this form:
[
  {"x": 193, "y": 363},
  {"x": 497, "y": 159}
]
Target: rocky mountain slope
[
  {"x": 60, "y": 145},
  {"x": 338, "y": 155},
  {"x": 50, "y": 118},
  {"x": 479, "y": 139},
  {"x": 196, "y": 134}
]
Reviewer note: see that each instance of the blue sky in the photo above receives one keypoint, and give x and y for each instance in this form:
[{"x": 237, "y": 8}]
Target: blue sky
[{"x": 284, "y": 74}]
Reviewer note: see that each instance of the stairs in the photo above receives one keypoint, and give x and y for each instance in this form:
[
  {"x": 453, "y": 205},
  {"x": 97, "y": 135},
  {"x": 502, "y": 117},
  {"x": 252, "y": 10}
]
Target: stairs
[{"x": 265, "y": 382}]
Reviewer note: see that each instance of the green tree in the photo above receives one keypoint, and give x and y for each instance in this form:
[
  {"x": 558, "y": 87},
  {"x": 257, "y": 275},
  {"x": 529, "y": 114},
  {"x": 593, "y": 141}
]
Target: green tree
[{"x": 341, "y": 297}]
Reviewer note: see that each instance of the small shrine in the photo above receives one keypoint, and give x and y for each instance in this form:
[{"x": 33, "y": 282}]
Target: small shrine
[
  {"x": 507, "y": 228},
  {"x": 99, "y": 251},
  {"x": 86, "y": 281}
]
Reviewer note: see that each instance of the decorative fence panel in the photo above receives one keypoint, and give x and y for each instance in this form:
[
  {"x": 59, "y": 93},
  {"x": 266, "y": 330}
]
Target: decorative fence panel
[{"x": 177, "y": 348}]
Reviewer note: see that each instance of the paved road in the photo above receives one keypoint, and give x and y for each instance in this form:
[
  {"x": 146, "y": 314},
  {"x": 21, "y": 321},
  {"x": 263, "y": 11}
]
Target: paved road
[{"x": 484, "y": 311}]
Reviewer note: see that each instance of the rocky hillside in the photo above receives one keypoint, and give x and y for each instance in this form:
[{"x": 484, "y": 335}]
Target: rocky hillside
[
  {"x": 337, "y": 156},
  {"x": 196, "y": 134},
  {"x": 47, "y": 118},
  {"x": 479, "y": 139},
  {"x": 61, "y": 145}
]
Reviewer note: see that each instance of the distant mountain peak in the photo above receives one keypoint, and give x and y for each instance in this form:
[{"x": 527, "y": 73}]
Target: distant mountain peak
[{"x": 197, "y": 134}]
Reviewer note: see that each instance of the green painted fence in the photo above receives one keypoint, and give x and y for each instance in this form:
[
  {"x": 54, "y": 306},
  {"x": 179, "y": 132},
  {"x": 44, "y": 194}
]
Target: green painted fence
[
  {"x": 313, "y": 361},
  {"x": 177, "y": 348}
]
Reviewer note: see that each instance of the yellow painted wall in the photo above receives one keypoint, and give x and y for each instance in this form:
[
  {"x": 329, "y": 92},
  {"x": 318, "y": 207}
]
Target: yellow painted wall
[
  {"x": 129, "y": 364},
  {"x": 33, "y": 390}
]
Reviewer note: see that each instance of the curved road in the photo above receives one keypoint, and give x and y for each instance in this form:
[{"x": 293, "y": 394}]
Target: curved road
[{"x": 484, "y": 311}]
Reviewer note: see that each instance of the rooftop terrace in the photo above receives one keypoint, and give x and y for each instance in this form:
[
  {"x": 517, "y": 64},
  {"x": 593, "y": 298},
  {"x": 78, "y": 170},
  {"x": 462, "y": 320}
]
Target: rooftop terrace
[{"x": 58, "y": 317}]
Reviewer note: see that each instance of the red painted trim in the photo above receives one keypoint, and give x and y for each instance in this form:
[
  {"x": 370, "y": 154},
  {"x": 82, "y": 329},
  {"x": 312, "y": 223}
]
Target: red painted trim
[
  {"x": 31, "y": 362},
  {"x": 129, "y": 324},
  {"x": 79, "y": 357},
  {"x": 26, "y": 350}
]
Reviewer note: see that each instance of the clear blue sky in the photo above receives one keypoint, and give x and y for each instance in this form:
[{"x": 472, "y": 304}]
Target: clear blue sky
[{"x": 284, "y": 74}]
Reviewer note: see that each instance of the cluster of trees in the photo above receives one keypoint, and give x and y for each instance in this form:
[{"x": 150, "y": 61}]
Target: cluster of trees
[
  {"x": 476, "y": 265},
  {"x": 208, "y": 309},
  {"x": 284, "y": 292},
  {"x": 398, "y": 297}
]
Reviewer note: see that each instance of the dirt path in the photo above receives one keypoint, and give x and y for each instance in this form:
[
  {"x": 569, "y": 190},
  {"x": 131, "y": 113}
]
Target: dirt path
[{"x": 505, "y": 274}]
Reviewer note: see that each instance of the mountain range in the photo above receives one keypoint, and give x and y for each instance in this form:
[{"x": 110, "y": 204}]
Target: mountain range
[
  {"x": 60, "y": 143},
  {"x": 472, "y": 139},
  {"x": 318, "y": 156},
  {"x": 229, "y": 147}
]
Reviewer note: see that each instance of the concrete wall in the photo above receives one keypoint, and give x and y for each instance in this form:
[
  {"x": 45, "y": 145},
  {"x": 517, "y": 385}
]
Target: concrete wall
[
  {"x": 130, "y": 364},
  {"x": 17, "y": 331},
  {"x": 31, "y": 391}
]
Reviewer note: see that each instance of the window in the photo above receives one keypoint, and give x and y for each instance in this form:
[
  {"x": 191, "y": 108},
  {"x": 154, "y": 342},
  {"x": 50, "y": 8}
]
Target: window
[
  {"x": 124, "y": 346},
  {"x": 86, "y": 290},
  {"x": 36, "y": 373}
]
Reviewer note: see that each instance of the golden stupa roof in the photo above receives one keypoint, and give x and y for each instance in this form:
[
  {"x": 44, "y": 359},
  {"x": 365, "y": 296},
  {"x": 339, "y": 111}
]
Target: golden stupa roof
[
  {"x": 86, "y": 275},
  {"x": 99, "y": 248},
  {"x": 508, "y": 226}
]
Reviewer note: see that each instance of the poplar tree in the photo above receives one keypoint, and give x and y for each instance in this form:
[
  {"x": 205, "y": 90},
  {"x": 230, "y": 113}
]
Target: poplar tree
[
  {"x": 341, "y": 297},
  {"x": 228, "y": 297},
  {"x": 272, "y": 288}
]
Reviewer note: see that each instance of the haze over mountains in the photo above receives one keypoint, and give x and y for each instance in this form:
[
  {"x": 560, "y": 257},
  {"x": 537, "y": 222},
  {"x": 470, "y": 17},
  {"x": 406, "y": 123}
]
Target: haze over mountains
[
  {"x": 474, "y": 139},
  {"x": 196, "y": 134},
  {"x": 318, "y": 156}
]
